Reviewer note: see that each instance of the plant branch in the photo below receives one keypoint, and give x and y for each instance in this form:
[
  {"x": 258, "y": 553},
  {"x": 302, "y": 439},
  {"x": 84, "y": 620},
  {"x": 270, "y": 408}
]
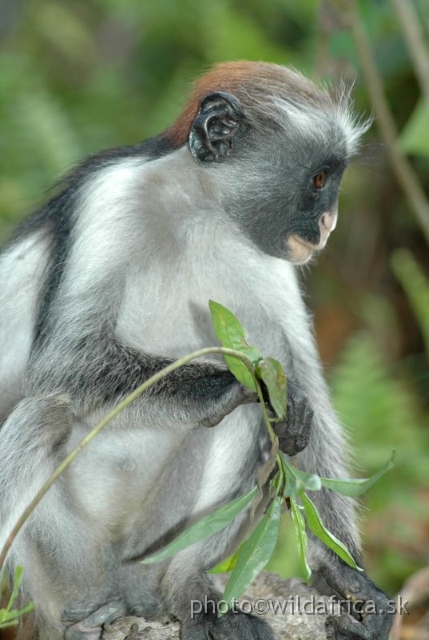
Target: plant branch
[
  {"x": 101, "y": 425},
  {"x": 402, "y": 168},
  {"x": 415, "y": 39}
]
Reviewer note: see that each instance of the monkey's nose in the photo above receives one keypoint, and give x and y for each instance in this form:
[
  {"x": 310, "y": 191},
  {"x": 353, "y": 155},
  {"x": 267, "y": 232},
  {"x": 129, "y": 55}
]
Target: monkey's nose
[{"x": 329, "y": 220}]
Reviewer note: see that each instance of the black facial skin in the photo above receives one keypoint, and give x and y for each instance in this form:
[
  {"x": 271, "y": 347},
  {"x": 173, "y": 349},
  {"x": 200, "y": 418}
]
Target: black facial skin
[{"x": 282, "y": 200}]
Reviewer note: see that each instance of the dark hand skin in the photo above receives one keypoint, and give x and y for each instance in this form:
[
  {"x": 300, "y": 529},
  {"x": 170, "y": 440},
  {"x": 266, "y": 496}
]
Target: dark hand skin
[
  {"x": 231, "y": 396},
  {"x": 294, "y": 432},
  {"x": 337, "y": 578}
]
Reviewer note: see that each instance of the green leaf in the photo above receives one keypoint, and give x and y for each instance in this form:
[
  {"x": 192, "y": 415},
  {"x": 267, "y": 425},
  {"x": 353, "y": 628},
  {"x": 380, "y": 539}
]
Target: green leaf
[
  {"x": 292, "y": 488},
  {"x": 301, "y": 538},
  {"x": 231, "y": 335},
  {"x": 255, "y": 552},
  {"x": 318, "y": 528},
  {"x": 10, "y": 618},
  {"x": 303, "y": 480},
  {"x": 15, "y": 590},
  {"x": 271, "y": 372},
  {"x": 415, "y": 135},
  {"x": 276, "y": 481},
  {"x": 204, "y": 528},
  {"x": 357, "y": 486},
  {"x": 228, "y": 564},
  {"x": 4, "y": 622}
]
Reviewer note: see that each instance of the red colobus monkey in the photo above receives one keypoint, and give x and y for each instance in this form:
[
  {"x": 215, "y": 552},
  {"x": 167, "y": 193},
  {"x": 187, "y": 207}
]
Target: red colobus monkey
[{"x": 107, "y": 283}]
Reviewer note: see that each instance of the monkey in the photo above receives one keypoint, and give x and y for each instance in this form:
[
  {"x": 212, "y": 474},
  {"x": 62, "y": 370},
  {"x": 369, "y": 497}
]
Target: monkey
[{"x": 108, "y": 282}]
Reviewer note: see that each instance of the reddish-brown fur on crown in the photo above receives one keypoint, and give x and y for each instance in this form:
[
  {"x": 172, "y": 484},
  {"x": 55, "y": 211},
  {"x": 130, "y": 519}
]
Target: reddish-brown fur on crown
[{"x": 251, "y": 82}]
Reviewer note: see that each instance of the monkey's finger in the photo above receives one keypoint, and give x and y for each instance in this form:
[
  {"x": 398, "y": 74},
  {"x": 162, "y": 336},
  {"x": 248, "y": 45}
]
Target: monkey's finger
[
  {"x": 375, "y": 626},
  {"x": 386, "y": 627},
  {"x": 378, "y": 624},
  {"x": 90, "y": 628},
  {"x": 345, "y": 628},
  {"x": 306, "y": 422}
]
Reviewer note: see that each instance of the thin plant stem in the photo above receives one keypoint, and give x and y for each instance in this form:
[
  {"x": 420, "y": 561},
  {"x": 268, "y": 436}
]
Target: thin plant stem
[
  {"x": 414, "y": 36},
  {"x": 402, "y": 168}
]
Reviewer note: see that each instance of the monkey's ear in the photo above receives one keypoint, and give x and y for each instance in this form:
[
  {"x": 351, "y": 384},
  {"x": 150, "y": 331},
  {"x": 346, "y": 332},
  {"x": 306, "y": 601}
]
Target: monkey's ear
[{"x": 212, "y": 132}]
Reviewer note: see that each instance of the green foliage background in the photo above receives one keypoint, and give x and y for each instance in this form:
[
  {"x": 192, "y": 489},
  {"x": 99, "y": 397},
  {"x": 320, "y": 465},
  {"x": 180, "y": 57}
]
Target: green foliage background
[{"x": 79, "y": 76}]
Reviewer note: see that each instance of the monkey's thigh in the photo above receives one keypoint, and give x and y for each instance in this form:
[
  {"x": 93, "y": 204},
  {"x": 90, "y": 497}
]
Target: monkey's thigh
[
  {"x": 69, "y": 573},
  {"x": 68, "y": 565},
  {"x": 211, "y": 467}
]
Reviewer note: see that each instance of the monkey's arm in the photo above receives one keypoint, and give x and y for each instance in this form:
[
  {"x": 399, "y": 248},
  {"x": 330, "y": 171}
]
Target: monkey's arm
[{"x": 97, "y": 372}]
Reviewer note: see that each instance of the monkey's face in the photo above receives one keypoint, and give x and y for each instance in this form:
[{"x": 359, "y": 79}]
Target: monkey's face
[
  {"x": 310, "y": 194},
  {"x": 312, "y": 220},
  {"x": 287, "y": 202},
  {"x": 278, "y": 177}
]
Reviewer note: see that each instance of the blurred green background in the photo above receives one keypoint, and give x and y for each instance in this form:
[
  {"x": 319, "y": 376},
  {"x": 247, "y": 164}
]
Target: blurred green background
[{"x": 77, "y": 76}]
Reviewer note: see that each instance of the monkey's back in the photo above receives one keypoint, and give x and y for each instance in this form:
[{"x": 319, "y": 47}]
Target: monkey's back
[{"x": 22, "y": 267}]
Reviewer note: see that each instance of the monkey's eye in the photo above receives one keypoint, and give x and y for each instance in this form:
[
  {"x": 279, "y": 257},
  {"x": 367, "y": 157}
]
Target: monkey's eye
[{"x": 319, "y": 179}]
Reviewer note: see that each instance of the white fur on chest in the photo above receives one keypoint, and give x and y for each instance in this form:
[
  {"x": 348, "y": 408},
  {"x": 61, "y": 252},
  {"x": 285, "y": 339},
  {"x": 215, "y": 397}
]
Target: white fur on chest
[
  {"x": 128, "y": 467},
  {"x": 166, "y": 246},
  {"x": 165, "y": 311}
]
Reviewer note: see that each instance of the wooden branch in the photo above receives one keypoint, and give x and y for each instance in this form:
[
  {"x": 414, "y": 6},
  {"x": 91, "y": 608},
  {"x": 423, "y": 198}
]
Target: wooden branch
[
  {"x": 304, "y": 617},
  {"x": 414, "y": 36},
  {"x": 402, "y": 168}
]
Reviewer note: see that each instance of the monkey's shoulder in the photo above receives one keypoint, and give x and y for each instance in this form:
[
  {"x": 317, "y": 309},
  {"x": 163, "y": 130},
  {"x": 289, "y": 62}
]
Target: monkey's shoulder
[{"x": 60, "y": 198}]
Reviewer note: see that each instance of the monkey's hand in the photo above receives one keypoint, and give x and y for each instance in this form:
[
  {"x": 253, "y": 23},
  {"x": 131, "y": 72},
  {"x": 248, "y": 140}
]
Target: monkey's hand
[
  {"x": 294, "y": 432},
  {"x": 225, "y": 396},
  {"x": 369, "y": 611}
]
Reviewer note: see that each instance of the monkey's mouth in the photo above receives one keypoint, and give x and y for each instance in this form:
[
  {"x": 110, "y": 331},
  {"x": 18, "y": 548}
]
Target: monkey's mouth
[{"x": 299, "y": 251}]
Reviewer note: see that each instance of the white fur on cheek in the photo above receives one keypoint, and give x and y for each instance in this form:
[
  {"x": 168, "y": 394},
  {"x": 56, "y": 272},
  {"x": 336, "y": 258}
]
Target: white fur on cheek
[{"x": 299, "y": 252}]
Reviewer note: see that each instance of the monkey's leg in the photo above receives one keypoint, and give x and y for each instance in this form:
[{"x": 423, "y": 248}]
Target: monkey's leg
[
  {"x": 194, "y": 600},
  {"x": 198, "y": 613},
  {"x": 64, "y": 565},
  {"x": 29, "y": 443},
  {"x": 189, "y": 595}
]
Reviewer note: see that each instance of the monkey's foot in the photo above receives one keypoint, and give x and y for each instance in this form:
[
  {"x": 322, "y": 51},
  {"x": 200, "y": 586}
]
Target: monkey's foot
[
  {"x": 234, "y": 625},
  {"x": 369, "y": 612},
  {"x": 90, "y": 628}
]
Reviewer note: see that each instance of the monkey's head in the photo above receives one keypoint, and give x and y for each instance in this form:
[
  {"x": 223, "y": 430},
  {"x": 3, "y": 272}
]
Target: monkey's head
[{"x": 277, "y": 146}]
